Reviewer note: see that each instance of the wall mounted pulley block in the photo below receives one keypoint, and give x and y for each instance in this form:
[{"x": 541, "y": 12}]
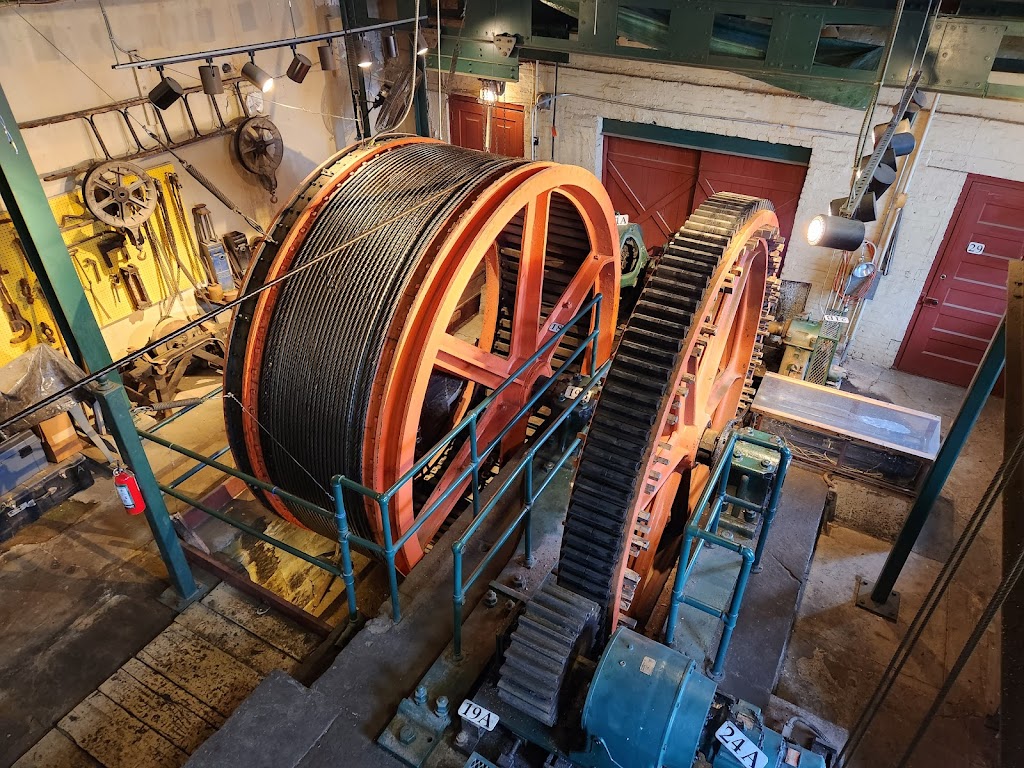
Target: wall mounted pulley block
[{"x": 122, "y": 195}]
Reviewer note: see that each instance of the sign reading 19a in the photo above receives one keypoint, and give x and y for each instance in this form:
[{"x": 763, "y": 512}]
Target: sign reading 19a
[
  {"x": 742, "y": 748},
  {"x": 477, "y": 715}
]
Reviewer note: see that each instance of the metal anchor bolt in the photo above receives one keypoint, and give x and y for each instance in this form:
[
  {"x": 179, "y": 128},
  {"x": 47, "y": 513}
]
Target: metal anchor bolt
[
  {"x": 491, "y": 598},
  {"x": 407, "y": 735},
  {"x": 420, "y": 695},
  {"x": 442, "y": 706}
]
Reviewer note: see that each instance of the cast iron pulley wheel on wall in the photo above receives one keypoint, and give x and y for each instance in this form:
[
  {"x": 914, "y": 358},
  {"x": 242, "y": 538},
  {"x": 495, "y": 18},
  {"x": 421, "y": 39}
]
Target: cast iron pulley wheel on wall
[
  {"x": 122, "y": 195},
  {"x": 361, "y": 363},
  {"x": 260, "y": 149}
]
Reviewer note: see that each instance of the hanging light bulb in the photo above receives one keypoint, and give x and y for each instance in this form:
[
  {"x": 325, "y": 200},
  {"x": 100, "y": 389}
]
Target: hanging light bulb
[
  {"x": 166, "y": 92},
  {"x": 209, "y": 74},
  {"x": 326, "y": 53},
  {"x": 422, "y": 47},
  {"x": 390, "y": 45},
  {"x": 299, "y": 67},
  {"x": 257, "y": 76}
]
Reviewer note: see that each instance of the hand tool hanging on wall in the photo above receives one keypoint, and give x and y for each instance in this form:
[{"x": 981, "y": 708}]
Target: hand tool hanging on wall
[
  {"x": 87, "y": 282},
  {"x": 260, "y": 150},
  {"x": 112, "y": 244},
  {"x": 133, "y": 287},
  {"x": 20, "y": 327},
  {"x": 25, "y": 289},
  {"x": 122, "y": 195},
  {"x": 219, "y": 270},
  {"x": 178, "y": 208},
  {"x": 47, "y": 333}
]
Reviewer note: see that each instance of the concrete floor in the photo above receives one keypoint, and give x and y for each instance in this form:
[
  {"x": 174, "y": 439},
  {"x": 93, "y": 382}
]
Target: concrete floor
[
  {"x": 83, "y": 582},
  {"x": 838, "y": 651}
]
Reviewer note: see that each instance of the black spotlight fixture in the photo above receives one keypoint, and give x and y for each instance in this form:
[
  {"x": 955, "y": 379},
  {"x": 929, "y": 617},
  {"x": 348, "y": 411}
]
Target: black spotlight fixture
[
  {"x": 836, "y": 232},
  {"x": 903, "y": 143},
  {"x": 865, "y": 210},
  {"x": 209, "y": 74},
  {"x": 883, "y": 178},
  {"x": 390, "y": 45},
  {"x": 326, "y": 53},
  {"x": 257, "y": 76},
  {"x": 360, "y": 51},
  {"x": 299, "y": 67},
  {"x": 166, "y": 92}
]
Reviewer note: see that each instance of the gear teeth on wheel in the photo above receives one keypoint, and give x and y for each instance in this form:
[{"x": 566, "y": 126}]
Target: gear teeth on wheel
[
  {"x": 556, "y": 626},
  {"x": 598, "y": 533}
]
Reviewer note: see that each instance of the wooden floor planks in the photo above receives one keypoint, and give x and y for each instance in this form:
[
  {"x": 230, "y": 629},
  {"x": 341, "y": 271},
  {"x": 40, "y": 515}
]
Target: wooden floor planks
[{"x": 174, "y": 694}]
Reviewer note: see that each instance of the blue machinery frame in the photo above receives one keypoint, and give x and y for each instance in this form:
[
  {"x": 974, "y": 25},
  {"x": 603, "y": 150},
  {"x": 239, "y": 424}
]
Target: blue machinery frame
[{"x": 704, "y": 530}]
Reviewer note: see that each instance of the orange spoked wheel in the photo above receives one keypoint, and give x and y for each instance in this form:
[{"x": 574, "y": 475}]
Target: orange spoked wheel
[
  {"x": 680, "y": 369},
  {"x": 425, "y": 275}
]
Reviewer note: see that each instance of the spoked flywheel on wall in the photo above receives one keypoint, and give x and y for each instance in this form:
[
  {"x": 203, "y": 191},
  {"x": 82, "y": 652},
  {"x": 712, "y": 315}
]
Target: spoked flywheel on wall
[{"x": 363, "y": 359}]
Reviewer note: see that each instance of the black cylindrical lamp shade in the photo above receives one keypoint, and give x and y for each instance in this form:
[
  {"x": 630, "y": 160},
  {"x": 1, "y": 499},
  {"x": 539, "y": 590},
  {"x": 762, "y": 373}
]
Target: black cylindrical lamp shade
[
  {"x": 883, "y": 178},
  {"x": 209, "y": 74},
  {"x": 836, "y": 232},
  {"x": 299, "y": 68},
  {"x": 903, "y": 143},
  {"x": 390, "y": 46},
  {"x": 326, "y": 53},
  {"x": 165, "y": 93},
  {"x": 865, "y": 210}
]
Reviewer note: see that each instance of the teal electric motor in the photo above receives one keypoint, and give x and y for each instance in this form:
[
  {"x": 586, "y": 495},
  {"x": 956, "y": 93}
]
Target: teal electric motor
[{"x": 649, "y": 706}]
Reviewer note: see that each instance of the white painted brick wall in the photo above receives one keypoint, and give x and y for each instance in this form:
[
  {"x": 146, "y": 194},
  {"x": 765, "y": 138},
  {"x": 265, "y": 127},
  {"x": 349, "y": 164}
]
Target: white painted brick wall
[{"x": 967, "y": 136}]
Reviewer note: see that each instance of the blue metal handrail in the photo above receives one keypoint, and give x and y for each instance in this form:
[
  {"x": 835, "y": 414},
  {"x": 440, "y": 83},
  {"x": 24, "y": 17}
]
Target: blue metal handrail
[
  {"x": 706, "y": 532},
  {"x": 346, "y": 539}
]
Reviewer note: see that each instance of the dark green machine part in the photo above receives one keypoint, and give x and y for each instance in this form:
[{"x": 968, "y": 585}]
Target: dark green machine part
[
  {"x": 634, "y": 254},
  {"x": 780, "y": 43}
]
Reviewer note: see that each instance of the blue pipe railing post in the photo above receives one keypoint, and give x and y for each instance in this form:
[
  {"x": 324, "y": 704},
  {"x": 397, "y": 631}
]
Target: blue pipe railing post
[
  {"x": 530, "y": 498},
  {"x": 677, "y": 589},
  {"x": 593, "y": 343},
  {"x": 773, "y": 503},
  {"x": 345, "y": 545},
  {"x": 474, "y": 455},
  {"x": 389, "y": 556},
  {"x": 458, "y": 599},
  {"x": 717, "y": 670}
]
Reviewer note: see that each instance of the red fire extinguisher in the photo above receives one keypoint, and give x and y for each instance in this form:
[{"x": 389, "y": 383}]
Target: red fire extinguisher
[{"x": 128, "y": 489}]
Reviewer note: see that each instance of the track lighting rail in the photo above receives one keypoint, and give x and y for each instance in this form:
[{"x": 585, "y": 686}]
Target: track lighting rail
[{"x": 251, "y": 48}]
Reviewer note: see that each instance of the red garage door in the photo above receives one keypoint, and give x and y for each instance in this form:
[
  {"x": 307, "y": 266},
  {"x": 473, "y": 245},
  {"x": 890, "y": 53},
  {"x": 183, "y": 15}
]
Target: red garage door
[
  {"x": 965, "y": 295},
  {"x": 659, "y": 185}
]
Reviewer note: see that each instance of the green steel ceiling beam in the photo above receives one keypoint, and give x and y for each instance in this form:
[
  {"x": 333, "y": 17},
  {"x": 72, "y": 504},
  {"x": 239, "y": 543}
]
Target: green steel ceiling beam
[
  {"x": 47, "y": 255},
  {"x": 777, "y": 42}
]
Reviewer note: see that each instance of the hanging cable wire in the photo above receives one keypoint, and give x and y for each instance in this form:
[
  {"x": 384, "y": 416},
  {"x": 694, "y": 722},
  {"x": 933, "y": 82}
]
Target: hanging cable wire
[
  {"x": 1006, "y": 586},
  {"x": 938, "y": 590}
]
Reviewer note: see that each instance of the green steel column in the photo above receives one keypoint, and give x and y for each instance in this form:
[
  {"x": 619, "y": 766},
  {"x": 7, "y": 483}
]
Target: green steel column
[
  {"x": 977, "y": 395},
  {"x": 48, "y": 256}
]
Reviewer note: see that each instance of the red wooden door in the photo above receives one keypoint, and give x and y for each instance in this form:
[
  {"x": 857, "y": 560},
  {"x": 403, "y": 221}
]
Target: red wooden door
[
  {"x": 659, "y": 185},
  {"x": 507, "y": 130},
  {"x": 653, "y": 183},
  {"x": 779, "y": 182},
  {"x": 468, "y": 120},
  {"x": 964, "y": 297}
]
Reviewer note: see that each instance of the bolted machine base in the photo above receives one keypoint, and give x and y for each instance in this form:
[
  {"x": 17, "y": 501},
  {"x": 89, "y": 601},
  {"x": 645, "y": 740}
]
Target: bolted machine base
[{"x": 890, "y": 609}]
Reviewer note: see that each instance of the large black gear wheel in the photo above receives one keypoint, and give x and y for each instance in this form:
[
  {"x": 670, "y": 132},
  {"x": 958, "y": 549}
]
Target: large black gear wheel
[{"x": 639, "y": 387}]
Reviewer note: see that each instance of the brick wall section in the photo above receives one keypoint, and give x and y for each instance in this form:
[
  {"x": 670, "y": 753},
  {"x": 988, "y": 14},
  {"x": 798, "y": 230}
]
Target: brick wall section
[{"x": 967, "y": 136}]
